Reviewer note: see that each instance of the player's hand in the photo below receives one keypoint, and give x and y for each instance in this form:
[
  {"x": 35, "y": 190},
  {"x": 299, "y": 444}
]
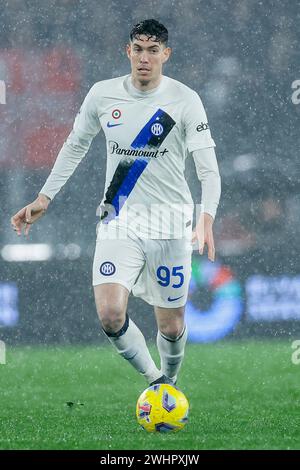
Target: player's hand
[
  {"x": 203, "y": 232},
  {"x": 23, "y": 219}
]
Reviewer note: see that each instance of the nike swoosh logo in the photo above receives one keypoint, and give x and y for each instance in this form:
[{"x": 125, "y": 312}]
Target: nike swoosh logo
[
  {"x": 114, "y": 125},
  {"x": 175, "y": 298}
]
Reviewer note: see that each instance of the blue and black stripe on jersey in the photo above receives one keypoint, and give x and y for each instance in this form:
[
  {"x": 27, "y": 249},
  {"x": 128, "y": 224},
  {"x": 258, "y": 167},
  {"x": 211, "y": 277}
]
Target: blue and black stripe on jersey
[
  {"x": 122, "y": 183},
  {"x": 128, "y": 171},
  {"x": 148, "y": 137}
]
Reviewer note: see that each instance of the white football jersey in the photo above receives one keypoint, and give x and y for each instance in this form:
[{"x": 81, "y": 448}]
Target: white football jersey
[{"x": 148, "y": 135}]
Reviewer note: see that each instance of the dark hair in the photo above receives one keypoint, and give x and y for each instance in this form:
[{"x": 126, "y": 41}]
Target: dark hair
[{"x": 152, "y": 29}]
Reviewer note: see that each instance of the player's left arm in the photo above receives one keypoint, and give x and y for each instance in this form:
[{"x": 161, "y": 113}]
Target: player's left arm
[
  {"x": 201, "y": 144},
  {"x": 208, "y": 173}
]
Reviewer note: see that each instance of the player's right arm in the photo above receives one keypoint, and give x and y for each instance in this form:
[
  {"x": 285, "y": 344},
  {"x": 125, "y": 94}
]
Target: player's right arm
[
  {"x": 29, "y": 214},
  {"x": 86, "y": 126}
]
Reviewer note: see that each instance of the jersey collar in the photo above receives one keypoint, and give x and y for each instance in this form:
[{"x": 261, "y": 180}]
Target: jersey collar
[{"x": 135, "y": 93}]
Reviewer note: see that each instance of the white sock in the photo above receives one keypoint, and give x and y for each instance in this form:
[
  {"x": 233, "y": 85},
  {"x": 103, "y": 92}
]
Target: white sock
[
  {"x": 171, "y": 353},
  {"x": 130, "y": 343}
]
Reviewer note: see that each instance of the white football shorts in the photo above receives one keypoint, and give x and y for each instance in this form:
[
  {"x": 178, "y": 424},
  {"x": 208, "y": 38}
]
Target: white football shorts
[{"x": 157, "y": 270}]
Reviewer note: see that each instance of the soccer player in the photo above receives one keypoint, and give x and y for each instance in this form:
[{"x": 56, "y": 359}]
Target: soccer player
[{"x": 144, "y": 236}]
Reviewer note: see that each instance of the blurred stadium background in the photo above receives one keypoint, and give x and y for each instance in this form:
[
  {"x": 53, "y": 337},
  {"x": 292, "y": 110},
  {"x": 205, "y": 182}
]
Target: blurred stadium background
[{"x": 242, "y": 57}]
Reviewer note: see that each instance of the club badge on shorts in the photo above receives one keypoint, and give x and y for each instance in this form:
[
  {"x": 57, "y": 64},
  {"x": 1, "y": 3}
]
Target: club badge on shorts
[{"x": 107, "y": 268}]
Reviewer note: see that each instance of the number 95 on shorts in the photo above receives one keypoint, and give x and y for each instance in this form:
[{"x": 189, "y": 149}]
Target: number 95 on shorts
[{"x": 158, "y": 271}]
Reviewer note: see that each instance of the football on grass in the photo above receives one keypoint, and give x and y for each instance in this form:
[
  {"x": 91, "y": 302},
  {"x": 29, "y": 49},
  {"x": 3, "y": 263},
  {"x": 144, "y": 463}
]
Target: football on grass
[{"x": 162, "y": 408}]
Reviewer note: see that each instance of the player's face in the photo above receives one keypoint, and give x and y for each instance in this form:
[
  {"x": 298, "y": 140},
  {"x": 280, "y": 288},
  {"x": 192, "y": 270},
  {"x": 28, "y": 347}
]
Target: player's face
[{"x": 147, "y": 58}]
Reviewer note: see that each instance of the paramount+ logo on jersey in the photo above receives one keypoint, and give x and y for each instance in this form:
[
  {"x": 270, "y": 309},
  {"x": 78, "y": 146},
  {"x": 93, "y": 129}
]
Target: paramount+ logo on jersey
[{"x": 114, "y": 148}]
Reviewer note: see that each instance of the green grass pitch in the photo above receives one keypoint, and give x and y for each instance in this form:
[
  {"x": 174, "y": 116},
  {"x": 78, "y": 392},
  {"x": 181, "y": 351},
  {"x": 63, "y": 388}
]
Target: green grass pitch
[{"x": 243, "y": 395}]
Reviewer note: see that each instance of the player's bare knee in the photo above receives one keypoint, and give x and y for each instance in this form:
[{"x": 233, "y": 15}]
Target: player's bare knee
[
  {"x": 112, "y": 317},
  {"x": 112, "y": 325},
  {"x": 172, "y": 331},
  {"x": 170, "y": 322}
]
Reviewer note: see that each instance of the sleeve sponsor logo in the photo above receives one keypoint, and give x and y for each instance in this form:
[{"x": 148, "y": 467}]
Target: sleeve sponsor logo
[{"x": 202, "y": 127}]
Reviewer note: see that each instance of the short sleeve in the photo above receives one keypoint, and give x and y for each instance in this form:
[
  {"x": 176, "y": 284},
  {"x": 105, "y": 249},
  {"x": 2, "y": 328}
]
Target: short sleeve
[
  {"x": 87, "y": 122},
  {"x": 197, "y": 131}
]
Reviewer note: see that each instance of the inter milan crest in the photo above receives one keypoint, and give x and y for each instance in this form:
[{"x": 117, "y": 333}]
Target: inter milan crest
[
  {"x": 157, "y": 129},
  {"x": 107, "y": 268}
]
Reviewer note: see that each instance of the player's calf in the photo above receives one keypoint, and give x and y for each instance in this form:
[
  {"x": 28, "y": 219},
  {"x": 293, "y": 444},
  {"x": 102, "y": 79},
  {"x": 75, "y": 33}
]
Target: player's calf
[{"x": 171, "y": 350}]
